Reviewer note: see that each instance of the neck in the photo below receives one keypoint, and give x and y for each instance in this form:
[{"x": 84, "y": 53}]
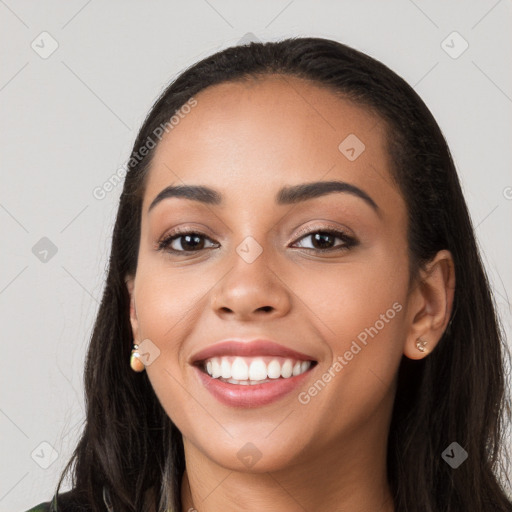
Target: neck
[{"x": 351, "y": 478}]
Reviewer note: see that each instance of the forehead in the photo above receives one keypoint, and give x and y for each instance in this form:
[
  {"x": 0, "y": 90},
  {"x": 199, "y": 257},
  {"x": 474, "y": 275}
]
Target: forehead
[{"x": 265, "y": 133}]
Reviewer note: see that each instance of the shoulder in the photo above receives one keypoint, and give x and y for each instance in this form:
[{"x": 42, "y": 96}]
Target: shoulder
[{"x": 63, "y": 502}]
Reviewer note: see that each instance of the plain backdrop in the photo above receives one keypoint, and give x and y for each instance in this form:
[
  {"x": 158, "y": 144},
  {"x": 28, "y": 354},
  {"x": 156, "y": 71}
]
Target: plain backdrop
[{"x": 69, "y": 119}]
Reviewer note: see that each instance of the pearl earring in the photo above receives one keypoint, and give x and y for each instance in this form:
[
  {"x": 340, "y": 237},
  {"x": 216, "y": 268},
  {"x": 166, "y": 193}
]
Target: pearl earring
[{"x": 136, "y": 364}]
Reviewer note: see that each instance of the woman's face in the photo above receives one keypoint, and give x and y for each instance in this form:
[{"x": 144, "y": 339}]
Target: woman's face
[{"x": 261, "y": 268}]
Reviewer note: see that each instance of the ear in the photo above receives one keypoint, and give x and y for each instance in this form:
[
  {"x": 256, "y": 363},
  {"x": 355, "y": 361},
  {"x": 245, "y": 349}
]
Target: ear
[
  {"x": 430, "y": 305},
  {"x": 130, "y": 284}
]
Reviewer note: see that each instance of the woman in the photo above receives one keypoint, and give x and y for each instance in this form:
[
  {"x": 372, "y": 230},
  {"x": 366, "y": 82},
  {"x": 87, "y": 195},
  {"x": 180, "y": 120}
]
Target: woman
[{"x": 296, "y": 316}]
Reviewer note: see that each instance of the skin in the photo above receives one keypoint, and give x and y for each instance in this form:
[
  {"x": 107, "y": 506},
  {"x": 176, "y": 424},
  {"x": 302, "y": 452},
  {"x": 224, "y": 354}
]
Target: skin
[{"x": 247, "y": 140}]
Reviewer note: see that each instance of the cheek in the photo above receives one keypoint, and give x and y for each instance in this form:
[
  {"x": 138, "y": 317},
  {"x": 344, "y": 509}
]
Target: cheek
[
  {"x": 166, "y": 294},
  {"x": 168, "y": 304},
  {"x": 358, "y": 308},
  {"x": 344, "y": 299}
]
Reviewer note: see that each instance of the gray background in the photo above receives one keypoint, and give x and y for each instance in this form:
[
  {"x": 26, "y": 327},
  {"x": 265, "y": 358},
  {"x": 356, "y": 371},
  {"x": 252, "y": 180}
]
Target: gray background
[{"x": 69, "y": 121}]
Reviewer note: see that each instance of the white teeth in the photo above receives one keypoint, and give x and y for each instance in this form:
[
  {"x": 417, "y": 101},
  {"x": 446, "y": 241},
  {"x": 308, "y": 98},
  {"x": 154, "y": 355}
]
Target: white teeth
[
  {"x": 216, "y": 371},
  {"x": 274, "y": 369},
  {"x": 240, "y": 370},
  {"x": 225, "y": 369},
  {"x": 258, "y": 370},
  {"x": 287, "y": 369}
]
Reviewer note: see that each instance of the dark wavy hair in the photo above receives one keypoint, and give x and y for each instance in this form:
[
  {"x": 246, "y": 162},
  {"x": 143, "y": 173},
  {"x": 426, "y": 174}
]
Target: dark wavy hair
[{"x": 457, "y": 393}]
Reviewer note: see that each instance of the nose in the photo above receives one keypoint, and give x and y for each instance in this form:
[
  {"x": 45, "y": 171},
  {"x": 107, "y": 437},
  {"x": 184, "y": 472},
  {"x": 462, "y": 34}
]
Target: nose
[{"x": 251, "y": 291}]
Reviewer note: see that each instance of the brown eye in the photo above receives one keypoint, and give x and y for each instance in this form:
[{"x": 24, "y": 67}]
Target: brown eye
[
  {"x": 187, "y": 241},
  {"x": 324, "y": 240}
]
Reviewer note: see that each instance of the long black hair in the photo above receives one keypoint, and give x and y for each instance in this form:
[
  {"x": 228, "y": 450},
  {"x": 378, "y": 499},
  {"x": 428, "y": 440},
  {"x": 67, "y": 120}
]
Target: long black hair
[{"x": 457, "y": 393}]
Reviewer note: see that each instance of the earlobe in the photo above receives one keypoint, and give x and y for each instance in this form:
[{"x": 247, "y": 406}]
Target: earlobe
[
  {"x": 420, "y": 350},
  {"x": 430, "y": 306}
]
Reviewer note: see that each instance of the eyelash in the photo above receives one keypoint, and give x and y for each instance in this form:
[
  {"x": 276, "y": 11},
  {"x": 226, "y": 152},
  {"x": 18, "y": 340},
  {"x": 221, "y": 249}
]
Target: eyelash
[{"x": 349, "y": 241}]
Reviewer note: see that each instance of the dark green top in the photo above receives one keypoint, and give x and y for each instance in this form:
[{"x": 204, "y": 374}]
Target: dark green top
[
  {"x": 68, "y": 502},
  {"x": 47, "y": 506},
  {"x": 42, "y": 507}
]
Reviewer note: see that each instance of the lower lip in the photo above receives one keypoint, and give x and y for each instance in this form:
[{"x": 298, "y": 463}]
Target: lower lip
[{"x": 240, "y": 395}]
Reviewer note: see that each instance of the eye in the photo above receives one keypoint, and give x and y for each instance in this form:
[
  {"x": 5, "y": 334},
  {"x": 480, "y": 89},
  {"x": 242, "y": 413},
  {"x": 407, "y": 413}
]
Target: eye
[
  {"x": 190, "y": 241},
  {"x": 323, "y": 240}
]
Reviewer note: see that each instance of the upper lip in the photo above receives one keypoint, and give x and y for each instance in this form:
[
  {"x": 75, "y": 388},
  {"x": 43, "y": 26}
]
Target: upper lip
[{"x": 258, "y": 347}]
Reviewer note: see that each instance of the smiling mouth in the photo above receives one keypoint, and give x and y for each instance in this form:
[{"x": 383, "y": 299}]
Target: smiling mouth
[
  {"x": 253, "y": 371},
  {"x": 249, "y": 392}
]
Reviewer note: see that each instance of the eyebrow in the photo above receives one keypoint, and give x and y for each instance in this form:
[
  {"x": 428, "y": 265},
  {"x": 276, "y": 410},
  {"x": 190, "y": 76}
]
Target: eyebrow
[{"x": 287, "y": 195}]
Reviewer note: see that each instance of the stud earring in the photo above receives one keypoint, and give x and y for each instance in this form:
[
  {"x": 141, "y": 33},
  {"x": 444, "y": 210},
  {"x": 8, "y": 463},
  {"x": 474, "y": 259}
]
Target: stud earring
[
  {"x": 136, "y": 364},
  {"x": 421, "y": 344}
]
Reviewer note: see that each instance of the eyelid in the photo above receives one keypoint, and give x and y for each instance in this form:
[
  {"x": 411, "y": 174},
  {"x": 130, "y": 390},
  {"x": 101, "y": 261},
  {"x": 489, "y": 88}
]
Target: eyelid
[
  {"x": 310, "y": 229},
  {"x": 200, "y": 229}
]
